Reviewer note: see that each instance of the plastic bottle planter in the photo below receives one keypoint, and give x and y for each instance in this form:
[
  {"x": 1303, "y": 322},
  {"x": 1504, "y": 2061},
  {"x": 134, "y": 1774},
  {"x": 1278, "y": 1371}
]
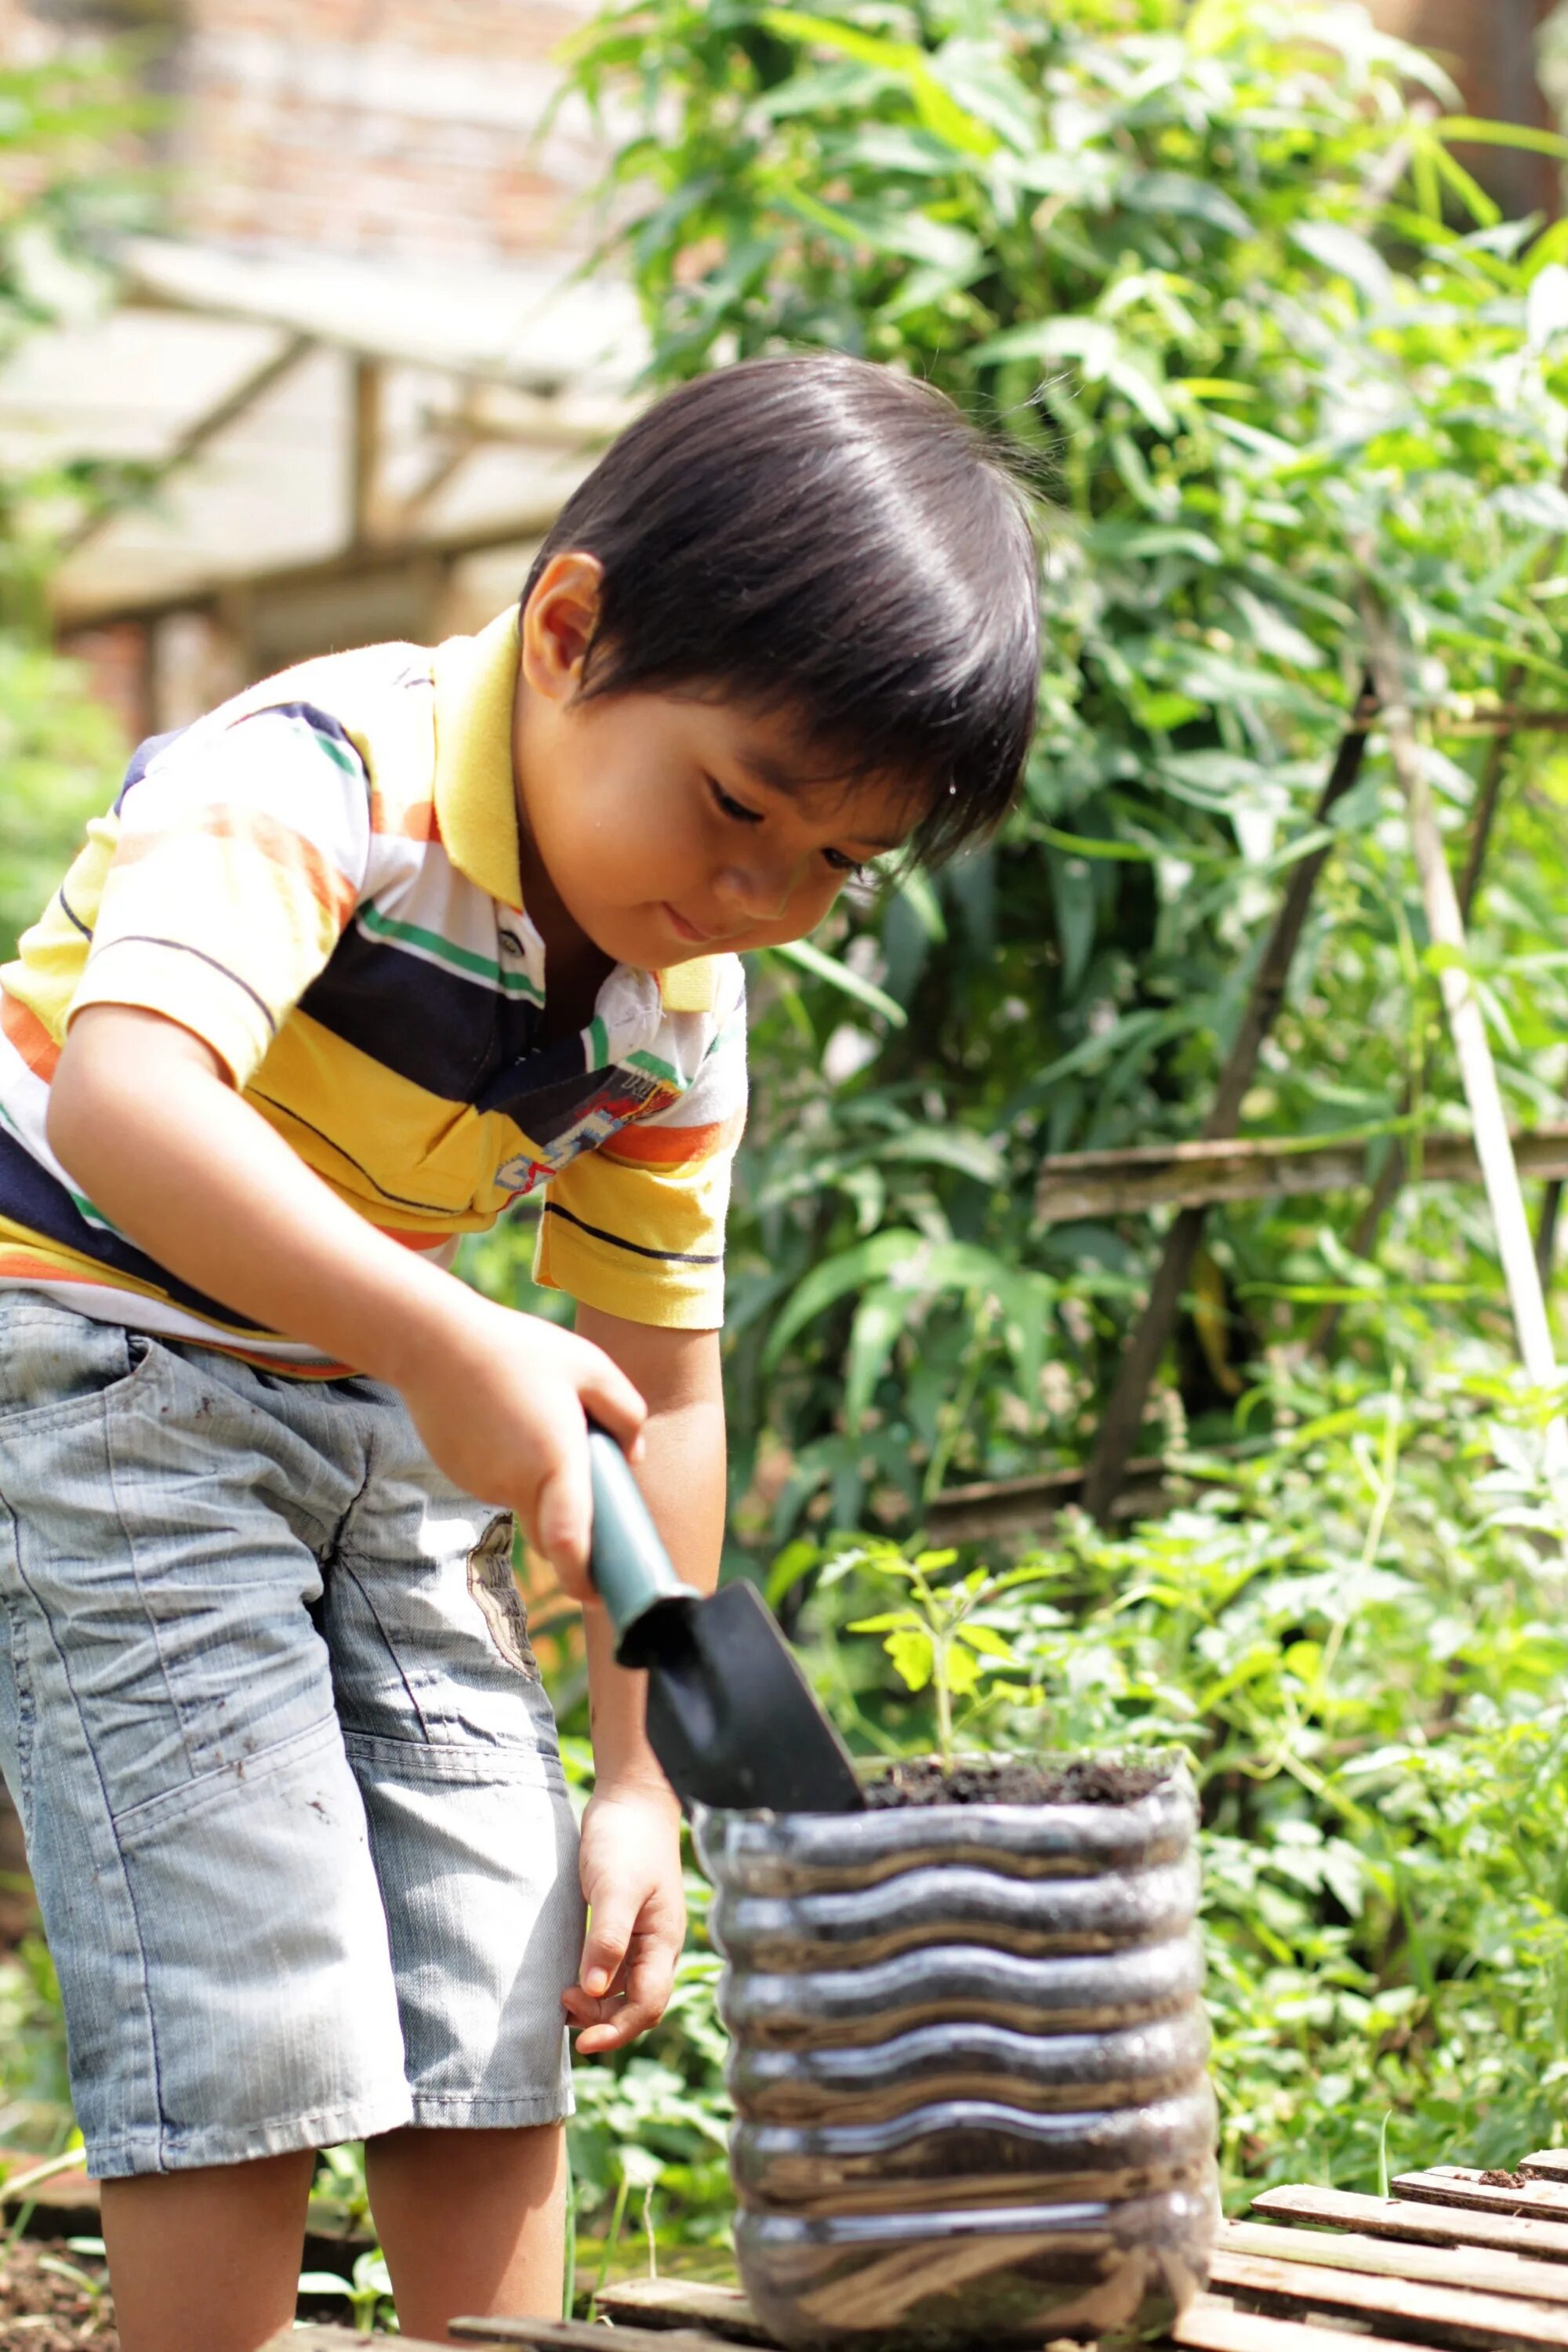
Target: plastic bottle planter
[{"x": 969, "y": 2068}]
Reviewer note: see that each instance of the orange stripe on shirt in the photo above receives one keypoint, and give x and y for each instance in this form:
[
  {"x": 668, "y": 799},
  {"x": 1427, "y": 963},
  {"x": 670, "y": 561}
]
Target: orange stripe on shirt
[
  {"x": 334, "y": 892},
  {"x": 416, "y": 823},
  {"x": 672, "y": 1147},
  {"x": 28, "y": 1034}
]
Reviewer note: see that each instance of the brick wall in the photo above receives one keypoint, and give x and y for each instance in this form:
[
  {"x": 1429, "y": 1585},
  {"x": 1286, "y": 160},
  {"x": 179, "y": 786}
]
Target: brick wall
[
  {"x": 383, "y": 128},
  {"x": 395, "y": 130}
]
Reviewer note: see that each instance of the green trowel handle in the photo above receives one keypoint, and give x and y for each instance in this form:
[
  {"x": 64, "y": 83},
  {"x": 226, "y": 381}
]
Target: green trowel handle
[{"x": 628, "y": 1563}]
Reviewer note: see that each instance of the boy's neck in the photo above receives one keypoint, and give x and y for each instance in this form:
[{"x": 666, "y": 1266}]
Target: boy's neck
[{"x": 574, "y": 969}]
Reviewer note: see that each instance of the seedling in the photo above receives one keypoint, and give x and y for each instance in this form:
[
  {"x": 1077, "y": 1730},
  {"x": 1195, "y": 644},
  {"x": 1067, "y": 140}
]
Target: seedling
[
  {"x": 938, "y": 1638},
  {"x": 369, "y": 2289}
]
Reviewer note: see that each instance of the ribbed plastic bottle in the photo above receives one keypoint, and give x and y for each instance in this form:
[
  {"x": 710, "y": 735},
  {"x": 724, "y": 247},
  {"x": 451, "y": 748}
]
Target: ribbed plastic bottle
[{"x": 968, "y": 2060}]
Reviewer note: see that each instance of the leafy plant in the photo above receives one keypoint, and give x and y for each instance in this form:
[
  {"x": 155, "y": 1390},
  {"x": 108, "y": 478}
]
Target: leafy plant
[
  {"x": 1214, "y": 276},
  {"x": 949, "y": 1636},
  {"x": 1357, "y": 1640}
]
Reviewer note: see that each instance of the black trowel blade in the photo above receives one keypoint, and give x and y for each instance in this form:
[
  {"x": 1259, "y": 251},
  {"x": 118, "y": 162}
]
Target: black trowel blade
[{"x": 731, "y": 1716}]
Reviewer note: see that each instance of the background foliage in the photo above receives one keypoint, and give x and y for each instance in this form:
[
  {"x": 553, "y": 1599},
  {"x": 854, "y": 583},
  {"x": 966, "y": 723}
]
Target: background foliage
[{"x": 1211, "y": 274}]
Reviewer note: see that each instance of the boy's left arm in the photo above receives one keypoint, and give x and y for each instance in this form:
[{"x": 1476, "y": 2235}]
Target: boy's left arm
[{"x": 631, "y": 1831}]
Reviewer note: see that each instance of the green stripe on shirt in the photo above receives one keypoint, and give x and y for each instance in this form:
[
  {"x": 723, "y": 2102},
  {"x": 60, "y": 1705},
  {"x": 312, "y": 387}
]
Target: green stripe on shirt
[{"x": 467, "y": 960}]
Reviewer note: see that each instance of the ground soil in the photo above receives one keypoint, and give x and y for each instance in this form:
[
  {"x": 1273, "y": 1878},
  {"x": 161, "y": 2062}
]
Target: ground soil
[
  {"x": 42, "y": 2311},
  {"x": 1073, "y": 1781}
]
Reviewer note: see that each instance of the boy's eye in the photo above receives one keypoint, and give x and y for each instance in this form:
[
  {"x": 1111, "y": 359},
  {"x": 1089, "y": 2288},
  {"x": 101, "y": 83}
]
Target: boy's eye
[
  {"x": 850, "y": 867},
  {"x": 731, "y": 807}
]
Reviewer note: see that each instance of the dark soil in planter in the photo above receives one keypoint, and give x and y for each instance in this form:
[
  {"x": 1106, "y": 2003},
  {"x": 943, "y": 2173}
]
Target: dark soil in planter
[{"x": 1074, "y": 1780}]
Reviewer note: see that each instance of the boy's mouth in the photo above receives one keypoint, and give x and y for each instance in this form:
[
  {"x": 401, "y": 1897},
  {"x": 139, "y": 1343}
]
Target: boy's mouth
[{"x": 689, "y": 931}]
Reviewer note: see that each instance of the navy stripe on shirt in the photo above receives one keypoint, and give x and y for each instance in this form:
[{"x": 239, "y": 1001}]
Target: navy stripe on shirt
[{"x": 33, "y": 1197}]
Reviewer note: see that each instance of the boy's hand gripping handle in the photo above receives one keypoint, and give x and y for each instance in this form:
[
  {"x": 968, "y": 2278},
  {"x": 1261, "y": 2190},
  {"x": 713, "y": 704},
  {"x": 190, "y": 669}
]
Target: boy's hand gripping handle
[{"x": 627, "y": 1561}]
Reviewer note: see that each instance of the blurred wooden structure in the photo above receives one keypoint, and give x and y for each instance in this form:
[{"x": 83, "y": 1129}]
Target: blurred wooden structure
[{"x": 331, "y": 453}]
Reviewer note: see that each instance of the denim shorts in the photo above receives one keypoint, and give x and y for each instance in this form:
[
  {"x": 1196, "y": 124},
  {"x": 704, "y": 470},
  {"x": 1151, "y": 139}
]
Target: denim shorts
[{"x": 290, "y": 1784}]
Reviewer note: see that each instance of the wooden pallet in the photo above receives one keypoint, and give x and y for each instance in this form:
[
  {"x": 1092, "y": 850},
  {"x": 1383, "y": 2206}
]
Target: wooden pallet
[{"x": 1468, "y": 2262}]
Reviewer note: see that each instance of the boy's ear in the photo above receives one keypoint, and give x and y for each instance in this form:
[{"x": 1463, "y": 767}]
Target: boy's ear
[{"x": 558, "y": 623}]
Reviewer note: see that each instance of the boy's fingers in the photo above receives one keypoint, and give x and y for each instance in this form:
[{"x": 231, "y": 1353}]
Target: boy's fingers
[
  {"x": 607, "y": 2024},
  {"x": 562, "y": 1517},
  {"x": 606, "y": 1944},
  {"x": 610, "y": 1399}
]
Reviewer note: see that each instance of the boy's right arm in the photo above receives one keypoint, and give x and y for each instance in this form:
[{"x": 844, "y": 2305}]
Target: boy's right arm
[{"x": 143, "y": 1116}]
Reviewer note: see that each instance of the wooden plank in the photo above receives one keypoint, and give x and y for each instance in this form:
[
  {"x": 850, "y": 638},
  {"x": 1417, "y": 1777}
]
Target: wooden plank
[
  {"x": 1409, "y": 2218},
  {"x": 1073, "y": 1184},
  {"x": 998, "y": 1506},
  {"x": 1465, "y": 2266},
  {"x": 1441, "y": 2314},
  {"x": 702, "y": 2303},
  {"x": 1211, "y": 2325},
  {"x": 76, "y": 606},
  {"x": 1546, "y": 2164},
  {"x": 345, "y": 2340},
  {"x": 568, "y": 2336},
  {"x": 1453, "y": 2184}
]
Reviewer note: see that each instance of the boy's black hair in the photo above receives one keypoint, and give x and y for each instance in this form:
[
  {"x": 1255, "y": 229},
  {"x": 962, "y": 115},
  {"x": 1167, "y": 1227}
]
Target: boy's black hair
[{"x": 829, "y": 538}]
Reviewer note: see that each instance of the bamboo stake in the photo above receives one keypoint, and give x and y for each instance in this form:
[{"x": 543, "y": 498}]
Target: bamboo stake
[
  {"x": 1467, "y": 1028},
  {"x": 1124, "y": 1410},
  {"x": 1395, "y": 1168}
]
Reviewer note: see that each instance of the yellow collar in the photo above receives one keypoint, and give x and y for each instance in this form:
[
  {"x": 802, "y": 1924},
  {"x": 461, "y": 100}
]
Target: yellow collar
[
  {"x": 475, "y": 796},
  {"x": 476, "y": 804}
]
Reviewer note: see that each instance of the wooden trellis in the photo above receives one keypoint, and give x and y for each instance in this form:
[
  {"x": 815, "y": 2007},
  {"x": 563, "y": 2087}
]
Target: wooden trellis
[{"x": 1233, "y": 1172}]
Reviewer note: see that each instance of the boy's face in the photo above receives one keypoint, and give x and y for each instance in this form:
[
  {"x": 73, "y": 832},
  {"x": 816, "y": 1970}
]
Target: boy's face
[{"x": 670, "y": 828}]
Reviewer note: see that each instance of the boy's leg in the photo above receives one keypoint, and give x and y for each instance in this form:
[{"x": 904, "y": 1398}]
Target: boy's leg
[
  {"x": 449, "y": 1732},
  {"x": 472, "y": 2223},
  {"x": 207, "y": 2261}
]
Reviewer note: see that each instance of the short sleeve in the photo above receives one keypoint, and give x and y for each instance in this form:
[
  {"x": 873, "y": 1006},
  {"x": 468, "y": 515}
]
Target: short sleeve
[
  {"x": 242, "y": 852},
  {"x": 636, "y": 1228}
]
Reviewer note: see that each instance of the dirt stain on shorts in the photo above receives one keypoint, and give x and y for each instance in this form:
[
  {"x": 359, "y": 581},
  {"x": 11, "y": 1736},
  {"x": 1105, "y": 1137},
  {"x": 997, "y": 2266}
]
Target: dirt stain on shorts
[{"x": 494, "y": 1586}]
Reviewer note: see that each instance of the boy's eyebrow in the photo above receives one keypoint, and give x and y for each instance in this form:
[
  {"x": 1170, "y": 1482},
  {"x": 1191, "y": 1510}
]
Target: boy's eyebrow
[{"x": 780, "y": 778}]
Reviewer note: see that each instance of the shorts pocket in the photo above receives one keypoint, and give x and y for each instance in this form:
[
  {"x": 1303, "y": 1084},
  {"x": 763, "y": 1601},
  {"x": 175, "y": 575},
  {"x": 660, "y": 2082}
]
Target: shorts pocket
[{"x": 54, "y": 1362}]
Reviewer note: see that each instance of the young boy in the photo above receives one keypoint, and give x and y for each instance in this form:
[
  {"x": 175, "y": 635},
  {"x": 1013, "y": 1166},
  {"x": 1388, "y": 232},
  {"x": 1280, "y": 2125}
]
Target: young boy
[{"x": 370, "y": 951}]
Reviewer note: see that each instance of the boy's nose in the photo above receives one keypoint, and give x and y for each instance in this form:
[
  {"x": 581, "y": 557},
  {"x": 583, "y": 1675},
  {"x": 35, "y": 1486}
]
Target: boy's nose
[{"x": 760, "y": 890}]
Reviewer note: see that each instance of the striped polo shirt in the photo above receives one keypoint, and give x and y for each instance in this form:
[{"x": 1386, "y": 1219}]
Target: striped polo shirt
[{"x": 320, "y": 878}]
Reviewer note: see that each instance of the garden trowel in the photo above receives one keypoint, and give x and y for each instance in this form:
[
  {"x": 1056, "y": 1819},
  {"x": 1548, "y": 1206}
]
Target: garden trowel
[{"x": 730, "y": 1714}]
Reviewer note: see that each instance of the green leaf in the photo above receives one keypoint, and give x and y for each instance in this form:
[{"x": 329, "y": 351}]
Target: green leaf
[
  {"x": 825, "y": 967},
  {"x": 1189, "y": 198},
  {"x": 902, "y": 61},
  {"x": 987, "y": 1641},
  {"x": 797, "y": 1559},
  {"x": 914, "y": 1657},
  {"x": 1088, "y": 341},
  {"x": 914, "y": 1264},
  {"x": 913, "y": 236},
  {"x": 880, "y": 1316},
  {"x": 1348, "y": 255},
  {"x": 944, "y": 1147},
  {"x": 1479, "y": 131}
]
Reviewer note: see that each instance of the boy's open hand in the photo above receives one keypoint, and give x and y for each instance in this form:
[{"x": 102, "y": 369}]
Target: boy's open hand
[
  {"x": 501, "y": 1399},
  {"x": 631, "y": 1876}
]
